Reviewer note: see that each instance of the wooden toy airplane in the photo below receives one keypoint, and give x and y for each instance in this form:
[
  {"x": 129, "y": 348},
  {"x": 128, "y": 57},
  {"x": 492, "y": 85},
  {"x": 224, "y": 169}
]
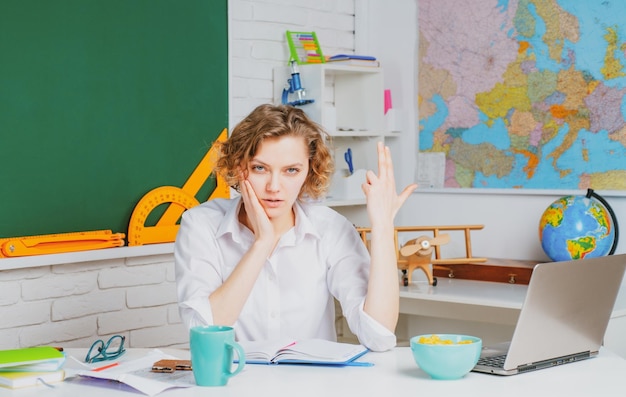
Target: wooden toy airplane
[{"x": 417, "y": 253}]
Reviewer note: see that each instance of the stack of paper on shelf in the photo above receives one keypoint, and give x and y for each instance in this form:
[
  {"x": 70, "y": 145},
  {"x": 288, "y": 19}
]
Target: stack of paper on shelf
[
  {"x": 354, "y": 60},
  {"x": 31, "y": 366}
]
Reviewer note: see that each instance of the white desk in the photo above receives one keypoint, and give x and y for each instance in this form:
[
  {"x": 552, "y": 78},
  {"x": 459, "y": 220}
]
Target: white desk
[
  {"x": 464, "y": 300},
  {"x": 394, "y": 374},
  {"x": 486, "y": 309}
]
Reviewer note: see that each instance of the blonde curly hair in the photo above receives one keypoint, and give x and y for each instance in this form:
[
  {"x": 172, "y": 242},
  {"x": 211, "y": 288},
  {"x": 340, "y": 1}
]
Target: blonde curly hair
[{"x": 274, "y": 121}]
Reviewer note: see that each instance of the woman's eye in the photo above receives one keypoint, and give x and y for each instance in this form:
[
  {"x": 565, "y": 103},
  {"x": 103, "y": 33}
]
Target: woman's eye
[
  {"x": 293, "y": 170},
  {"x": 258, "y": 168}
]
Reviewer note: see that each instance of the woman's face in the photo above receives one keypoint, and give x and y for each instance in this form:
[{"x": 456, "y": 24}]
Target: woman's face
[{"x": 277, "y": 173}]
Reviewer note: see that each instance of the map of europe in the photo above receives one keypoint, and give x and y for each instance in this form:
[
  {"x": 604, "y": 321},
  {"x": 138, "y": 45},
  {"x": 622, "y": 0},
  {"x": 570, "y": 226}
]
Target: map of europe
[{"x": 524, "y": 93}]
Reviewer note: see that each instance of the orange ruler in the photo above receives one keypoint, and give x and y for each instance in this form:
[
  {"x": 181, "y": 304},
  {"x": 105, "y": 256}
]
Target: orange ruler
[
  {"x": 57, "y": 243},
  {"x": 178, "y": 200}
]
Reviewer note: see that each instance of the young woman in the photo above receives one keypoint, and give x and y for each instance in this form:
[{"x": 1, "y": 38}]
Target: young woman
[{"x": 269, "y": 263}]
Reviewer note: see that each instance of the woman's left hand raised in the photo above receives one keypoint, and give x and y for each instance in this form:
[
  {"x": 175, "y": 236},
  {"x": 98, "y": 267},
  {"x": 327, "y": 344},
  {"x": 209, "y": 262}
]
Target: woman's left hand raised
[{"x": 383, "y": 202}]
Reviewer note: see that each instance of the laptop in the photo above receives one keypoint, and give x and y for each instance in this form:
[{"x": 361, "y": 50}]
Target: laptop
[{"x": 564, "y": 316}]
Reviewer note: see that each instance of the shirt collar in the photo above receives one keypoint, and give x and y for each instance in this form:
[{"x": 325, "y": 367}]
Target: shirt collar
[
  {"x": 230, "y": 224},
  {"x": 304, "y": 225}
]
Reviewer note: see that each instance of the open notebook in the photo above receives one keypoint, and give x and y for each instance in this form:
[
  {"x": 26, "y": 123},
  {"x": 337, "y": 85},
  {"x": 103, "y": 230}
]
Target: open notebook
[
  {"x": 308, "y": 351},
  {"x": 564, "y": 316}
]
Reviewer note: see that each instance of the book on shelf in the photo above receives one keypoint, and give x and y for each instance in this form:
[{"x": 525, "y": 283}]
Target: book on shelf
[
  {"x": 354, "y": 60},
  {"x": 18, "y": 380},
  {"x": 309, "y": 351},
  {"x": 41, "y": 358}
]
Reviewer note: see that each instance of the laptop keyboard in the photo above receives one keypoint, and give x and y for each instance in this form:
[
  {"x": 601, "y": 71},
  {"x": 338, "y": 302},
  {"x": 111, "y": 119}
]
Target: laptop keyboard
[{"x": 494, "y": 361}]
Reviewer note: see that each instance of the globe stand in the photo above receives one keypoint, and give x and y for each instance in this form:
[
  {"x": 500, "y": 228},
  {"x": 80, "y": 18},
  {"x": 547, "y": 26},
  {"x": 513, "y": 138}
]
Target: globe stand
[{"x": 591, "y": 193}]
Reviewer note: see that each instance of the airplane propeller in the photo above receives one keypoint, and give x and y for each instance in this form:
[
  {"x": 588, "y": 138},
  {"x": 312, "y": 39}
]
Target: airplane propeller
[{"x": 423, "y": 246}]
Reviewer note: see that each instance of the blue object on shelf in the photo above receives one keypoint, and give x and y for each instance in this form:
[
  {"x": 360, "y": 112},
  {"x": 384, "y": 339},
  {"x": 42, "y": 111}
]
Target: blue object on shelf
[
  {"x": 348, "y": 157},
  {"x": 294, "y": 86}
]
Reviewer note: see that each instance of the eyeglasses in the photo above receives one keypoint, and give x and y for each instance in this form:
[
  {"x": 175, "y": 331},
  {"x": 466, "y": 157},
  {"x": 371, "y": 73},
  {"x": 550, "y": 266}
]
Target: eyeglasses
[{"x": 100, "y": 351}]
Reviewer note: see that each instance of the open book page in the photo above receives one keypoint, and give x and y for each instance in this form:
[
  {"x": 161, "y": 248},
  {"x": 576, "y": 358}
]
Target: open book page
[
  {"x": 137, "y": 374},
  {"x": 310, "y": 351},
  {"x": 264, "y": 350},
  {"x": 320, "y": 350}
]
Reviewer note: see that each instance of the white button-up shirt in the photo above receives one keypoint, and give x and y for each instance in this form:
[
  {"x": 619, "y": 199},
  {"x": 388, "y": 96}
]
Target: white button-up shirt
[{"x": 320, "y": 258}]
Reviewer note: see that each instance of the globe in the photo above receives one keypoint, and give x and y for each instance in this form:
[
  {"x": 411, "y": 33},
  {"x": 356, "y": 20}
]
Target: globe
[{"x": 578, "y": 227}]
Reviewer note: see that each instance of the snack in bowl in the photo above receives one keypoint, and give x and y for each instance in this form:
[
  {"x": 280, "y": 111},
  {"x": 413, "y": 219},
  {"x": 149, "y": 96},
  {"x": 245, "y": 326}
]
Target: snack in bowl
[{"x": 446, "y": 356}]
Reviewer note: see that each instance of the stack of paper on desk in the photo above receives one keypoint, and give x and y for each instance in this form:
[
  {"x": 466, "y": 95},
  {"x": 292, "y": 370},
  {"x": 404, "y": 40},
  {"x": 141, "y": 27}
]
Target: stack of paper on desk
[{"x": 136, "y": 373}]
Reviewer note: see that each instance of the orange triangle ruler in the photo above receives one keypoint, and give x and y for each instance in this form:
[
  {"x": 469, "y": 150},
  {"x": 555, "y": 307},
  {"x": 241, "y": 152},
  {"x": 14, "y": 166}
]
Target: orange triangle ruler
[{"x": 179, "y": 200}]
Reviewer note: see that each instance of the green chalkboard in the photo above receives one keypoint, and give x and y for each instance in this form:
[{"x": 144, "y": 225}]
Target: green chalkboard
[{"x": 100, "y": 102}]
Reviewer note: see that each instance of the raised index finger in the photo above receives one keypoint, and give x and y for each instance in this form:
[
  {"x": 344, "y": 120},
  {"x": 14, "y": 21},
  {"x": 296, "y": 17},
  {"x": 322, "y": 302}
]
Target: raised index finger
[{"x": 383, "y": 154}]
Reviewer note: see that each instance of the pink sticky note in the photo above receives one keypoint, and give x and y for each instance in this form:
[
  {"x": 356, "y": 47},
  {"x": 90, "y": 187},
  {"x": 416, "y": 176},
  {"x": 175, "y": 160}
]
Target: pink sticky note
[{"x": 387, "y": 100}]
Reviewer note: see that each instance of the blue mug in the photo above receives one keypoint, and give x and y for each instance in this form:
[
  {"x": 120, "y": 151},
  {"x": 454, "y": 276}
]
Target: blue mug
[{"x": 212, "y": 354}]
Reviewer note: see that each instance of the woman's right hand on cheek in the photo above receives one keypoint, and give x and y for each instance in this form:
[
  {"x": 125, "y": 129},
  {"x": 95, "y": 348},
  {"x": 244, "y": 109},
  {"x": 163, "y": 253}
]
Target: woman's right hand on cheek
[{"x": 258, "y": 219}]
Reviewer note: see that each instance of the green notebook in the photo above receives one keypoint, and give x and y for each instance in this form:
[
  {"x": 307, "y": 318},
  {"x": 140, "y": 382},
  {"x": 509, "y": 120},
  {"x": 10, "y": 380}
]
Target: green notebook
[{"x": 42, "y": 358}]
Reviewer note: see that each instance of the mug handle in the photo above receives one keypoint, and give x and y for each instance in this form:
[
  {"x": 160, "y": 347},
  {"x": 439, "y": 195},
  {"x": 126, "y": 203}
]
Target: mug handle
[{"x": 241, "y": 358}]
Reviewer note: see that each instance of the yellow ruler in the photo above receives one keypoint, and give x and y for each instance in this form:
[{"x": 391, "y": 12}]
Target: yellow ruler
[
  {"x": 57, "y": 243},
  {"x": 179, "y": 200}
]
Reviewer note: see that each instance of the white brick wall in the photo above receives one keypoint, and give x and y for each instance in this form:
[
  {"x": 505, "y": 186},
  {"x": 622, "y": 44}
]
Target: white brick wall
[
  {"x": 258, "y": 43},
  {"x": 73, "y": 304}
]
